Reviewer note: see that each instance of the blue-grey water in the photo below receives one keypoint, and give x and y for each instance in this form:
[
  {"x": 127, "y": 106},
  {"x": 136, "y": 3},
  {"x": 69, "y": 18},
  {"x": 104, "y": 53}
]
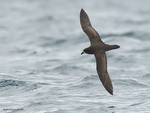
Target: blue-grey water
[{"x": 42, "y": 71}]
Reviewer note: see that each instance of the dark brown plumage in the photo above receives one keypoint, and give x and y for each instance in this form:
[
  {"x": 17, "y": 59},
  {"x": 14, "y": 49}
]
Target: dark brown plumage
[{"x": 98, "y": 48}]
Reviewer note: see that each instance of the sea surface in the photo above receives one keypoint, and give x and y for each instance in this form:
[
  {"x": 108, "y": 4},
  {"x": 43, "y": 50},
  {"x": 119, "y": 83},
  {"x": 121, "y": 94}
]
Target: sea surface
[{"x": 41, "y": 66}]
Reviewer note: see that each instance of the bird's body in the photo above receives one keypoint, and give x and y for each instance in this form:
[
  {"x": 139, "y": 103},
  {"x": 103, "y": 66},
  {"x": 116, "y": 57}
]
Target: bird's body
[{"x": 98, "y": 48}]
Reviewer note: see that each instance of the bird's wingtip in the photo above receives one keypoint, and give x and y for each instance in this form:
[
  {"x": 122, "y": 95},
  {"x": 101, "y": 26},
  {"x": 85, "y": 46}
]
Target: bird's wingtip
[
  {"x": 111, "y": 93},
  {"x": 81, "y": 10}
]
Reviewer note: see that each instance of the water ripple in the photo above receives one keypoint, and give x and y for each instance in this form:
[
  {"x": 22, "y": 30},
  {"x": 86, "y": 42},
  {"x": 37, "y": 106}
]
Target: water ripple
[
  {"x": 130, "y": 82},
  {"x": 5, "y": 83}
]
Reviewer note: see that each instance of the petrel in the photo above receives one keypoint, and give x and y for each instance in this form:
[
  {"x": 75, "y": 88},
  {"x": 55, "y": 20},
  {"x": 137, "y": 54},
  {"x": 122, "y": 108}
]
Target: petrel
[{"x": 98, "y": 48}]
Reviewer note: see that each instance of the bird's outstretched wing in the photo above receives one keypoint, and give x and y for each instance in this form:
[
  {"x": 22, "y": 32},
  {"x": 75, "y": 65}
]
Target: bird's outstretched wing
[
  {"x": 88, "y": 29},
  {"x": 101, "y": 62}
]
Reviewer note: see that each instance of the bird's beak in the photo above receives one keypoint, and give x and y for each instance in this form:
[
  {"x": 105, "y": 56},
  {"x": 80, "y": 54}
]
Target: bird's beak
[{"x": 82, "y": 52}]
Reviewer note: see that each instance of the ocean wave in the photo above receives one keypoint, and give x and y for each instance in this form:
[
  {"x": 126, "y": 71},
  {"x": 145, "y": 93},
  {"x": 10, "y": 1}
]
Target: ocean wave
[
  {"x": 5, "y": 83},
  {"x": 129, "y": 83},
  {"x": 26, "y": 86},
  {"x": 91, "y": 77},
  {"x": 127, "y": 34}
]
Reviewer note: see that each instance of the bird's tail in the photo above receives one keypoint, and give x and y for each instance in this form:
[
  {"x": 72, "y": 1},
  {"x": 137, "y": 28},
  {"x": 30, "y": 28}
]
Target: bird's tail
[{"x": 110, "y": 47}]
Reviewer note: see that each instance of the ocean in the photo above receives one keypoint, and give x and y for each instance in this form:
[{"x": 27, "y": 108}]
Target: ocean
[{"x": 41, "y": 66}]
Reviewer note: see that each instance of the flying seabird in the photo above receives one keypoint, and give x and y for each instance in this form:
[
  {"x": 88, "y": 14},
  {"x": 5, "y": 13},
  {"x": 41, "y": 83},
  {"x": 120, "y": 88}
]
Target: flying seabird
[{"x": 98, "y": 48}]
